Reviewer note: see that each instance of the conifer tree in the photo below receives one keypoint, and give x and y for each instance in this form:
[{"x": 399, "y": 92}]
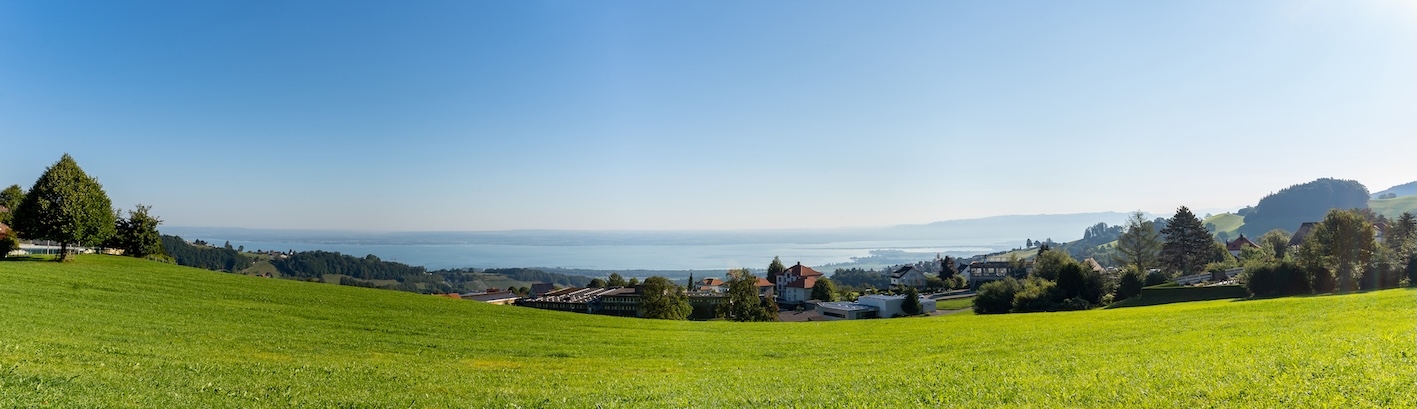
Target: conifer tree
[{"x": 1188, "y": 245}]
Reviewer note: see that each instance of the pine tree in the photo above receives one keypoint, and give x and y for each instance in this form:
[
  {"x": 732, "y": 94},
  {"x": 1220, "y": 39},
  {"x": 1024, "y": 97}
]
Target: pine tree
[
  {"x": 1188, "y": 245},
  {"x": 775, "y": 269},
  {"x": 67, "y": 206},
  {"x": 911, "y": 304}
]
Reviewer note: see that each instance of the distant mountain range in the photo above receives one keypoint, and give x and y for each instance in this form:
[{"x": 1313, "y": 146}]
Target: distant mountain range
[
  {"x": 989, "y": 230},
  {"x": 1405, "y": 189}
]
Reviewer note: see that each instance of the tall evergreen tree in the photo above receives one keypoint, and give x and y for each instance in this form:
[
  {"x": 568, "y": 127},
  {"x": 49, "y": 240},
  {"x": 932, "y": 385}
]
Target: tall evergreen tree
[
  {"x": 911, "y": 304},
  {"x": 948, "y": 269},
  {"x": 67, "y": 206},
  {"x": 1139, "y": 247},
  {"x": 1188, "y": 246},
  {"x": 775, "y": 269}
]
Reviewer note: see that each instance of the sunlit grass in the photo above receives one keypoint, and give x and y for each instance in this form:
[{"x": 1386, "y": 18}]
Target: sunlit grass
[{"x": 109, "y": 331}]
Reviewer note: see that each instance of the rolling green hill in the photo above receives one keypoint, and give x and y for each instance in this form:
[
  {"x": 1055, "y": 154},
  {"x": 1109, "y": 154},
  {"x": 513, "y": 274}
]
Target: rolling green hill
[
  {"x": 107, "y": 331},
  {"x": 1227, "y": 223},
  {"x": 1394, "y": 207}
]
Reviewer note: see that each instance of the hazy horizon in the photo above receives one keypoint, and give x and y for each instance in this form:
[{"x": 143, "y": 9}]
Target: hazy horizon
[{"x": 651, "y": 116}]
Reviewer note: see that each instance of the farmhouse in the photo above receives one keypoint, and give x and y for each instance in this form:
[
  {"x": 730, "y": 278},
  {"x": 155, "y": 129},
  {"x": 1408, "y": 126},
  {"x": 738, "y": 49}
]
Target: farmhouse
[
  {"x": 908, "y": 276},
  {"x": 1239, "y": 245},
  {"x": 1303, "y": 233}
]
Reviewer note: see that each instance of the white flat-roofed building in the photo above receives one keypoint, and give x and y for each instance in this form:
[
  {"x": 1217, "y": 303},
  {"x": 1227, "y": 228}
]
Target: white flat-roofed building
[
  {"x": 845, "y": 311},
  {"x": 888, "y": 306}
]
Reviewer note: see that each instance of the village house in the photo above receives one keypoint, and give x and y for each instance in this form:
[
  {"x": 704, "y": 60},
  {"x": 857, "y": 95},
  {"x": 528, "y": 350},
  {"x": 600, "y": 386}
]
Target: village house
[
  {"x": 1237, "y": 246},
  {"x": 794, "y": 286},
  {"x": 994, "y": 269},
  {"x": 712, "y": 285},
  {"x": 908, "y": 276}
]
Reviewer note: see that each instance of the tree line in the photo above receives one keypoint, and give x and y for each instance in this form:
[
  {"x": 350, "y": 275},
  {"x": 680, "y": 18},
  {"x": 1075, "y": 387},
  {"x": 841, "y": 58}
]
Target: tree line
[
  {"x": 210, "y": 258},
  {"x": 68, "y": 206}
]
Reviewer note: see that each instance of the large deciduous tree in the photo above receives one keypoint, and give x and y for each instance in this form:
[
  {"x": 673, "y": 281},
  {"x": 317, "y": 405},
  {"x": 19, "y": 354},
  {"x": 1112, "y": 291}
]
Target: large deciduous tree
[
  {"x": 67, "y": 206},
  {"x": 10, "y": 199},
  {"x": 1188, "y": 246},
  {"x": 1276, "y": 242},
  {"x": 1345, "y": 244},
  {"x": 743, "y": 303},
  {"x": 824, "y": 290},
  {"x": 1139, "y": 247},
  {"x": 662, "y": 299},
  {"x": 137, "y": 234},
  {"x": 615, "y": 280}
]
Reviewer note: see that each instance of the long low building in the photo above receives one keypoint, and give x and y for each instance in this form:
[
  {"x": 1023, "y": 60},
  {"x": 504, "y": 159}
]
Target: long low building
[{"x": 871, "y": 306}]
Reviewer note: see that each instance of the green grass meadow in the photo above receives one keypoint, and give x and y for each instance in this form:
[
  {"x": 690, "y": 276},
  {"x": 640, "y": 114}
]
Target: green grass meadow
[
  {"x": 1392, "y": 208},
  {"x": 107, "y": 331},
  {"x": 1227, "y": 223}
]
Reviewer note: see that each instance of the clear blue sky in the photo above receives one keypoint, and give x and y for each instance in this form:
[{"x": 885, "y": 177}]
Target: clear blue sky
[{"x": 466, "y": 115}]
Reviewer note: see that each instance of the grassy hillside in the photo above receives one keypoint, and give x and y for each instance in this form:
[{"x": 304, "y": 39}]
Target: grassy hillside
[
  {"x": 1226, "y": 222},
  {"x": 1394, "y": 207},
  {"x": 116, "y": 332}
]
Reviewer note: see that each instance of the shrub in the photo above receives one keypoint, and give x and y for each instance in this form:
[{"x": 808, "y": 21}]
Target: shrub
[
  {"x": 1156, "y": 278},
  {"x": 1381, "y": 275},
  {"x": 1321, "y": 280},
  {"x": 1037, "y": 295},
  {"x": 996, "y": 297},
  {"x": 7, "y": 245},
  {"x": 1130, "y": 285},
  {"x": 1412, "y": 270},
  {"x": 1075, "y": 304},
  {"x": 1277, "y": 279}
]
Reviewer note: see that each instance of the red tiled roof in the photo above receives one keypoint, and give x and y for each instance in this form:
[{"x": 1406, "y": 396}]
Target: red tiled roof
[
  {"x": 802, "y": 270},
  {"x": 1240, "y": 244},
  {"x": 806, "y": 282},
  {"x": 711, "y": 282},
  {"x": 763, "y": 282}
]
